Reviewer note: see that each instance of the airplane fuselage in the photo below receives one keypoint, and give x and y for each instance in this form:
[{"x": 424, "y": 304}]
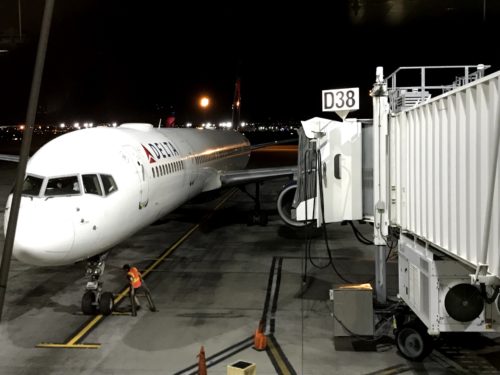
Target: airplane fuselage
[{"x": 88, "y": 190}]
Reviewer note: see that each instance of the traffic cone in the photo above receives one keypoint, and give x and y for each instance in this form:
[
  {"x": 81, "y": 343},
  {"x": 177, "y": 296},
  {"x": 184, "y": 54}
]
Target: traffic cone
[
  {"x": 202, "y": 364},
  {"x": 260, "y": 340}
]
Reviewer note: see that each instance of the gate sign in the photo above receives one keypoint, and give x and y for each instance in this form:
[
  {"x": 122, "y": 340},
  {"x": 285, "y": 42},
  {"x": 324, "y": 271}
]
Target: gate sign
[{"x": 341, "y": 101}]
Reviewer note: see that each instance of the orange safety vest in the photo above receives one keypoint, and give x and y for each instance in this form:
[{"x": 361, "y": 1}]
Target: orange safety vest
[{"x": 135, "y": 277}]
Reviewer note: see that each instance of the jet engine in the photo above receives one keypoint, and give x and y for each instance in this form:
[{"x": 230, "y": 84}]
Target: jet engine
[{"x": 285, "y": 205}]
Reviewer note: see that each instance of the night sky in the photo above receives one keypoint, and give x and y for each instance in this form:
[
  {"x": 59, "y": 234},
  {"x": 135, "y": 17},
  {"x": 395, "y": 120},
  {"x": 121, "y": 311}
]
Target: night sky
[{"x": 135, "y": 60}]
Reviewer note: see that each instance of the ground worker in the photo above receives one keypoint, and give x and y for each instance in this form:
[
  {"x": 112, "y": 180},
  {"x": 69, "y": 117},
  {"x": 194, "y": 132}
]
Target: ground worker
[{"x": 136, "y": 282}]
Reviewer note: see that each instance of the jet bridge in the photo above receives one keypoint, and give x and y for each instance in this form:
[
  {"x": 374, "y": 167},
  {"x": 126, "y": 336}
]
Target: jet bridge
[{"x": 432, "y": 162}]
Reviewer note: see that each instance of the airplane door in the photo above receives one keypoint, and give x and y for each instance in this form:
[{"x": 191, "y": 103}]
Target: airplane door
[
  {"x": 132, "y": 157},
  {"x": 192, "y": 172},
  {"x": 144, "y": 184}
]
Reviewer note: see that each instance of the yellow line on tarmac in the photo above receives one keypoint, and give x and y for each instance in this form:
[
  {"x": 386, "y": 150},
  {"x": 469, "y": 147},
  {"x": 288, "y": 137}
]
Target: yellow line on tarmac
[
  {"x": 68, "y": 346},
  {"x": 85, "y": 329},
  {"x": 277, "y": 357},
  {"x": 72, "y": 343}
]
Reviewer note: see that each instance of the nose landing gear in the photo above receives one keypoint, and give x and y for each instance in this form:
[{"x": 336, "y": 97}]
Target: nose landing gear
[{"x": 94, "y": 300}]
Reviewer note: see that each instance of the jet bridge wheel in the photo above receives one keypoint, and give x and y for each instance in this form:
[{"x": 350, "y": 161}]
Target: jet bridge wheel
[
  {"x": 413, "y": 341},
  {"x": 88, "y": 303}
]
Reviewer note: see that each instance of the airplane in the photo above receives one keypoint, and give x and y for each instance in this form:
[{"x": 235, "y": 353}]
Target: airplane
[{"x": 88, "y": 190}]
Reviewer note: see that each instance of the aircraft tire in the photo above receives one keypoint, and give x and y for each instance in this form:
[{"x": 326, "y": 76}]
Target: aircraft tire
[
  {"x": 88, "y": 299},
  {"x": 106, "y": 303}
]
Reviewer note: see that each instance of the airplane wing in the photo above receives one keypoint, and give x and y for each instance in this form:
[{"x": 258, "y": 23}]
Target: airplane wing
[
  {"x": 261, "y": 145},
  {"x": 13, "y": 158},
  {"x": 245, "y": 176}
]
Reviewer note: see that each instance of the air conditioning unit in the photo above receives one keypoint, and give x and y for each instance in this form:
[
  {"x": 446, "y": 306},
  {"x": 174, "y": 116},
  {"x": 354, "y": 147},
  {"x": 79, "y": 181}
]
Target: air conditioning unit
[{"x": 438, "y": 290}]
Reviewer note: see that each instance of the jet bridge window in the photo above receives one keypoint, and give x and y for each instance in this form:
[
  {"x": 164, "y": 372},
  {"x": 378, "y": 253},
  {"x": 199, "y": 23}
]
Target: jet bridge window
[
  {"x": 108, "y": 183},
  {"x": 32, "y": 185},
  {"x": 91, "y": 184},
  {"x": 62, "y": 186}
]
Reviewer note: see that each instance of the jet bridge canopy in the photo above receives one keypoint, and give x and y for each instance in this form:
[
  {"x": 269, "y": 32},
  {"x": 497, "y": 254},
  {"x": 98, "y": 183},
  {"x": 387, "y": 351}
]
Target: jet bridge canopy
[{"x": 443, "y": 183}]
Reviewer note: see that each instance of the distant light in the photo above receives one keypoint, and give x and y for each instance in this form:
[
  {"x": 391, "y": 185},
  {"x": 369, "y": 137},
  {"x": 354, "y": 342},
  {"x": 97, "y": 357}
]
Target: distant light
[
  {"x": 188, "y": 125},
  {"x": 91, "y": 124},
  {"x": 204, "y": 102},
  {"x": 62, "y": 125},
  {"x": 243, "y": 124},
  {"x": 21, "y": 127},
  {"x": 114, "y": 124},
  {"x": 226, "y": 124},
  {"x": 76, "y": 125}
]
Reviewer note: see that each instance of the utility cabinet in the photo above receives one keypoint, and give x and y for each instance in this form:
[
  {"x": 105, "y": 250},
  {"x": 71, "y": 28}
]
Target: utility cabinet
[{"x": 353, "y": 310}]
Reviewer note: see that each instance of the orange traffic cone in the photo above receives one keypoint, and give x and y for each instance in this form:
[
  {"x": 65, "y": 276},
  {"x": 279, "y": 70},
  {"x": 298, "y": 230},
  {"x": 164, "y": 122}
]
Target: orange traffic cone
[
  {"x": 260, "y": 340},
  {"x": 202, "y": 364}
]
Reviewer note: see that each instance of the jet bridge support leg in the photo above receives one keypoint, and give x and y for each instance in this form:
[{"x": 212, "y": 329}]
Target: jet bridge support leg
[
  {"x": 381, "y": 274},
  {"x": 381, "y": 183}
]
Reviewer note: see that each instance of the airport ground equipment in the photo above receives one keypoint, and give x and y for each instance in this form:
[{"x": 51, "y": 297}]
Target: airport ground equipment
[
  {"x": 436, "y": 179},
  {"x": 436, "y": 185},
  {"x": 353, "y": 315},
  {"x": 329, "y": 187}
]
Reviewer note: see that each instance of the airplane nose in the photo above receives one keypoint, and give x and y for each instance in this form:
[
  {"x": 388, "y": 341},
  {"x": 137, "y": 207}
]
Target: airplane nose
[{"x": 43, "y": 238}]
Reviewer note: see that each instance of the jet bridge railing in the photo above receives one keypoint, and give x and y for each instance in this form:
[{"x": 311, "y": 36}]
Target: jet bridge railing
[{"x": 409, "y": 86}]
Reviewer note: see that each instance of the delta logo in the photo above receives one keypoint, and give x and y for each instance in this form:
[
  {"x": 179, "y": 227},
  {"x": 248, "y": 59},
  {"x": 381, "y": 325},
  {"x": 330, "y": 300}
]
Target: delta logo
[
  {"x": 160, "y": 150},
  {"x": 150, "y": 157}
]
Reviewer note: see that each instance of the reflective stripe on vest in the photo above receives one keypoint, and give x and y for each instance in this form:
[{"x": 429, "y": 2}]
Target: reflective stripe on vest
[{"x": 133, "y": 273}]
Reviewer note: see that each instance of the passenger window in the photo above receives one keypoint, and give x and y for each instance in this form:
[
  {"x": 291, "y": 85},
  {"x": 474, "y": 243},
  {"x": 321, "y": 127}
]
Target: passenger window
[
  {"x": 32, "y": 185},
  {"x": 62, "y": 186},
  {"x": 108, "y": 183},
  {"x": 91, "y": 184}
]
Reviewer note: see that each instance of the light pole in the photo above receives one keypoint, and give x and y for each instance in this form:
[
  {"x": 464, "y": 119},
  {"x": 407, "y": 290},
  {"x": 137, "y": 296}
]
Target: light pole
[{"x": 20, "y": 20}]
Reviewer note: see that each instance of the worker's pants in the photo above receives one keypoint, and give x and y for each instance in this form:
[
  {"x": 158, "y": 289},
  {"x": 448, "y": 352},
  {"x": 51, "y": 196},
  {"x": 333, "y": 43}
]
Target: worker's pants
[{"x": 134, "y": 301}]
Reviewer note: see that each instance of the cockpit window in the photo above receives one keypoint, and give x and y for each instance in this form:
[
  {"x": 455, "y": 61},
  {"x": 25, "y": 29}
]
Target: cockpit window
[
  {"x": 91, "y": 184},
  {"x": 108, "y": 183},
  {"x": 62, "y": 186},
  {"x": 32, "y": 185}
]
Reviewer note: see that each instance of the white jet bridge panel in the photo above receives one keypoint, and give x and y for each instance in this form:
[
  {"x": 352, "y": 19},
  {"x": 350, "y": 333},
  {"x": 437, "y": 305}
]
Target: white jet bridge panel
[
  {"x": 441, "y": 167},
  {"x": 339, "y": 190}
]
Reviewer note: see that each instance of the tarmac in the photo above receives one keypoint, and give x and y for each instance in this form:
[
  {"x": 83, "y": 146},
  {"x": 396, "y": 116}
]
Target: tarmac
[{"x": 215, "y": 279}]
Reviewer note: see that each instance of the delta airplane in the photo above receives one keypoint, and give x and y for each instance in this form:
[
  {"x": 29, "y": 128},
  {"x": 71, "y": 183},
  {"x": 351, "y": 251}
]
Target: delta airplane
[{"x": 88, "y": 190}]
